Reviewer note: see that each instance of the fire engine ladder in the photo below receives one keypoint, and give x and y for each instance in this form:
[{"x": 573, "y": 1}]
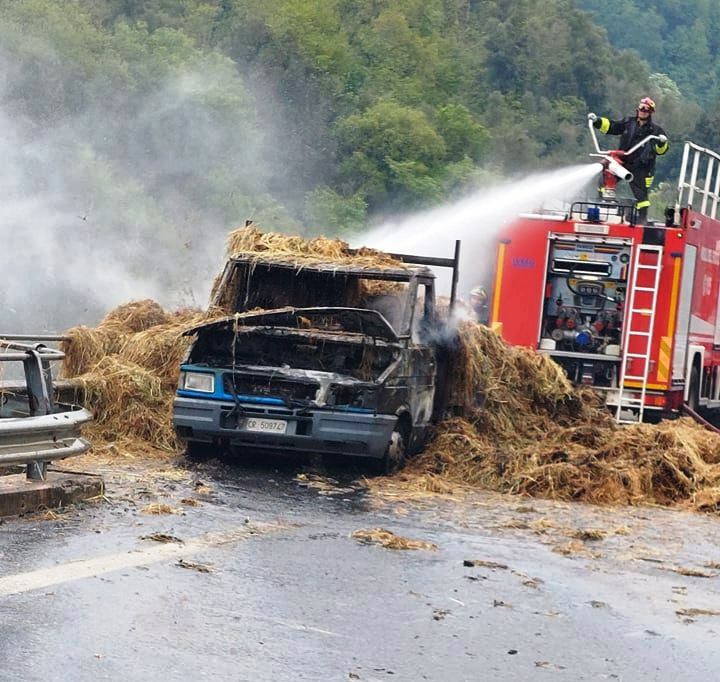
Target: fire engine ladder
[{"x": 639, "y": 328}]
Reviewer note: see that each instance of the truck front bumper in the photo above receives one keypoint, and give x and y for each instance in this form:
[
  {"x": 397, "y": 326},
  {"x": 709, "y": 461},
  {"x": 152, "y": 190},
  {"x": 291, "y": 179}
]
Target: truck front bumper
[{"x": 324, "y": 431}]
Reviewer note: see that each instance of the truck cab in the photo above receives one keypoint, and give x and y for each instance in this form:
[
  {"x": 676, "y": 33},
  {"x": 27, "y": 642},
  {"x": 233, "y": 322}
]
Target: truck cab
[{"x": 315, "y": 358}]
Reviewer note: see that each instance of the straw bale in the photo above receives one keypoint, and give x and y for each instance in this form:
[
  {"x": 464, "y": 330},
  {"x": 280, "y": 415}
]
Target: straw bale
[
  {"x": 125, "y": 371},
  {"x": 129, "y": 403},
  {"x": 273, "y": 246},
  {"x": 161, "y": 349},
  {"x": 87, "y": 346},
  {"x": 135, "y": 316}
]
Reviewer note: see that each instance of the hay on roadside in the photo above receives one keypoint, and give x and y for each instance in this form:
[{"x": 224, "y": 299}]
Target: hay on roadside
[{"x": 527, "y": 431}]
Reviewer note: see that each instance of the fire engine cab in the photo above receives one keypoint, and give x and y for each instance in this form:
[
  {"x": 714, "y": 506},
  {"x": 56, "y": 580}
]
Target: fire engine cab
[{"x": 629, "y": 309}]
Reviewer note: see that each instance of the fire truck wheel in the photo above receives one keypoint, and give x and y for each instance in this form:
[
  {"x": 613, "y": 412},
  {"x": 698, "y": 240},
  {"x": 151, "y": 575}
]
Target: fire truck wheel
[
  {"x": 694, "y": 392},
  {"x": 394, "y": 458}
]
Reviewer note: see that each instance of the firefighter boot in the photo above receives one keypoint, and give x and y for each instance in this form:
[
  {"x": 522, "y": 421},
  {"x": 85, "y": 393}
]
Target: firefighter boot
[{"x": 642, "y": 216}]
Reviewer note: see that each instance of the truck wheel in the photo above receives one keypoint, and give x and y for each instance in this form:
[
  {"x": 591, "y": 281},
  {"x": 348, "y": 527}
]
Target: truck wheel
[{"x": 394, "y": 458}]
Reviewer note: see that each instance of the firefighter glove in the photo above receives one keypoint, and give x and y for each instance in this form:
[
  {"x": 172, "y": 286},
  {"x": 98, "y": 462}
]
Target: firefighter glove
[
  {"x": 592, "y": 117},
  {"x": 662, "y": 139}
]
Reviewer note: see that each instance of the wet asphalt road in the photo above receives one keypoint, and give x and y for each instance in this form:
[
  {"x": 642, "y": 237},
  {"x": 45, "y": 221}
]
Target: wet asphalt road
[{"x": 291, "y": 596}]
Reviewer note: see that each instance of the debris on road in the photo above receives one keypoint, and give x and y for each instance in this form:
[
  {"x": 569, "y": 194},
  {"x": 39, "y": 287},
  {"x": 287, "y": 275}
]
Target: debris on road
[
  {"x": 389, "y": 540},
  {"x": 590, "y": 535},
  {"x": 484, "y": 564},
  {"x": 692, "y": 572},
  {"x": 162, "y": 537},
  {"x": 691, "y": 613},
  {"x": 194, "y": 566},
  {"x": 323, "y": 484},
  {"x": 158, "y": 508},
  {"x": 575, "y": 548}
]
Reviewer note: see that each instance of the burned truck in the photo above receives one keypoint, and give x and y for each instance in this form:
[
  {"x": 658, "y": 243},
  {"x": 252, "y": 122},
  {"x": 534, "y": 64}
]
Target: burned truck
[{"x": 326, "y": 358}]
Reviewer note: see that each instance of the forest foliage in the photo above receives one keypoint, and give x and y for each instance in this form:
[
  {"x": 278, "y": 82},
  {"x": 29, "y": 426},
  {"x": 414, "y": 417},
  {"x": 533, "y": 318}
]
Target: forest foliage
[{"x": 328, "y": 112}]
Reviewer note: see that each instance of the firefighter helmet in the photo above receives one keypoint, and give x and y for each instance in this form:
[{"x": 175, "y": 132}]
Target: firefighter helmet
[{"x": 647, "y": 103}]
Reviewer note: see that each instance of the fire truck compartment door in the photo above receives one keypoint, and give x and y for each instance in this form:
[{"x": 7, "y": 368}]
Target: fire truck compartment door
[{"x": 683, "y": 314}]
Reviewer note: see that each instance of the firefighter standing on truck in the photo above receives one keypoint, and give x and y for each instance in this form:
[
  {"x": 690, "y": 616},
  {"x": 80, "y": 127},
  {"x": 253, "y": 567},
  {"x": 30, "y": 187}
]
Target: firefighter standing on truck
[{"x": 640, "y": 163}]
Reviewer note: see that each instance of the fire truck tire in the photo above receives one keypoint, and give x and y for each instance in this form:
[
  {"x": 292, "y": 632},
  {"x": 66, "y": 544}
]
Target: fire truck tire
[
  {"x": 693, "y": 400},
  {"x": 394, "y": 458}
]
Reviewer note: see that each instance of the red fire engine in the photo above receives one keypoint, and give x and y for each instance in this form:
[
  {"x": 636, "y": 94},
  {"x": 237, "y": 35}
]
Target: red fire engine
[{"x": 629, "y": 309}]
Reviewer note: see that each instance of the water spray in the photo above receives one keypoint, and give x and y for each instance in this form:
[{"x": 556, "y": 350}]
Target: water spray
[{"x": 476, "y": 220}]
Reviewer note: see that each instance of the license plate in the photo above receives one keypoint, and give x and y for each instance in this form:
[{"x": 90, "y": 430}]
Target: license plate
[{"x": 265, "y": 425}]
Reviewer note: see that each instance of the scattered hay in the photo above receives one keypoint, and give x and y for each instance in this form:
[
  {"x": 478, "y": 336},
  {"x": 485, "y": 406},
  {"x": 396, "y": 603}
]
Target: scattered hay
[
  {"x": 527, "y": 431},
  {"x": 388, "y": 539},
  {"x": 195, "y": 566},
  {"x": 692, "y": 572},
  {"x": 157, "y": 509},
  {"x": 325, "y": 485},
  {"x": 590, "y": 535},
  {"x": 163, "y": 538},
  {"x": 575, "y": 548},
  {"x": 691, "y": 613}
]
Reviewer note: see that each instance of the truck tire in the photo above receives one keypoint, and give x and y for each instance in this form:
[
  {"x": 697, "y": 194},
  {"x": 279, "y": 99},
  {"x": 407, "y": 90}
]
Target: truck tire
[{"x": 396, "y": 453}]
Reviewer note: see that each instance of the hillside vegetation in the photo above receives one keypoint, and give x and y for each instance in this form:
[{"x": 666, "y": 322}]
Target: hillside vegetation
[{"x": 322, "y": 113}]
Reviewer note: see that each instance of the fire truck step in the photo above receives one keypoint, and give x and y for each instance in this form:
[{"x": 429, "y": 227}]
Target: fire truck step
[
  {"x": 634, "y": 377},
  {"x": 641, "y": 311},
  {"x": 647, "y": 267},
  {"x": 634, "y": 333},
  {"x": 635, "y": 355},
  {"x": 649, "y": 289}
]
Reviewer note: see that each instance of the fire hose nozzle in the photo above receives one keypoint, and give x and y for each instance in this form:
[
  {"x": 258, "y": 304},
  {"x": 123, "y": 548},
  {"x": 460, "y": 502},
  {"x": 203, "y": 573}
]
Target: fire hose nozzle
[{"x": 619, "y": 170}]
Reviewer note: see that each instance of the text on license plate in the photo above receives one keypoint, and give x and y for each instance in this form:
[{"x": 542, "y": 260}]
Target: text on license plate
[{"x": 265, "y": 425}]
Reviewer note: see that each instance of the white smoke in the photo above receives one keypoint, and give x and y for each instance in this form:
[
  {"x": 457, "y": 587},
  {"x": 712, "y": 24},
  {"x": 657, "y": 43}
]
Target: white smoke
[{"x": 476, "y": 221}]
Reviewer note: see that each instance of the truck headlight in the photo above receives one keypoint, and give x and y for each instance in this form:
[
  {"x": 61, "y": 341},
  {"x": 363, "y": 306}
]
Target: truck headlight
[{"x": 197, "y": 381}]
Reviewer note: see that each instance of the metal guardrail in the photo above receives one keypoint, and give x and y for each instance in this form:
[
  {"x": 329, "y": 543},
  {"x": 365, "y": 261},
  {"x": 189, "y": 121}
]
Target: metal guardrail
[
  {"x": 34, "y": 429},
  {"x": 699, "y": 162}
]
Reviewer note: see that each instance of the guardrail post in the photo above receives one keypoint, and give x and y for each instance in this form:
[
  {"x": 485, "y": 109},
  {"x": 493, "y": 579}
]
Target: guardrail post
[
  {"x": 37, "y": 470},
  {"x": 35, "y": 378}
]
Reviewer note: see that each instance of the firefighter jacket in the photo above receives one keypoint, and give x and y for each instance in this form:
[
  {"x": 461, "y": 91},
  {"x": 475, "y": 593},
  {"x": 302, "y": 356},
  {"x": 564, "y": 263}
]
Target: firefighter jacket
[{"x": 631, "y": 132}]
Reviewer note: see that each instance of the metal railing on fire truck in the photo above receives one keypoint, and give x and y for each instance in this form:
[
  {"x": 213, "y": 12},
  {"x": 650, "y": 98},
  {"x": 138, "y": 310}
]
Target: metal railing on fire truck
[{"x": 699, "y": 162}]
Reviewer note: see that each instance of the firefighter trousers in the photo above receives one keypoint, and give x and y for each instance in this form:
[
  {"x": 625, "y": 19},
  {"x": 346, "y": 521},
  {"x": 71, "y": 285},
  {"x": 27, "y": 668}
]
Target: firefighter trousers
[{"x": 640, "y": 186}]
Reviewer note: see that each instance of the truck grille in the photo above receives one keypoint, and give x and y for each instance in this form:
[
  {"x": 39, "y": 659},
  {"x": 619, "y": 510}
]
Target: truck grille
[{"x": 270, "y": 387}]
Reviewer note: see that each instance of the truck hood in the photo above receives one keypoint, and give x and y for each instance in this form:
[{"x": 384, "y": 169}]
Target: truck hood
[{"x": 359, "y": 321}]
